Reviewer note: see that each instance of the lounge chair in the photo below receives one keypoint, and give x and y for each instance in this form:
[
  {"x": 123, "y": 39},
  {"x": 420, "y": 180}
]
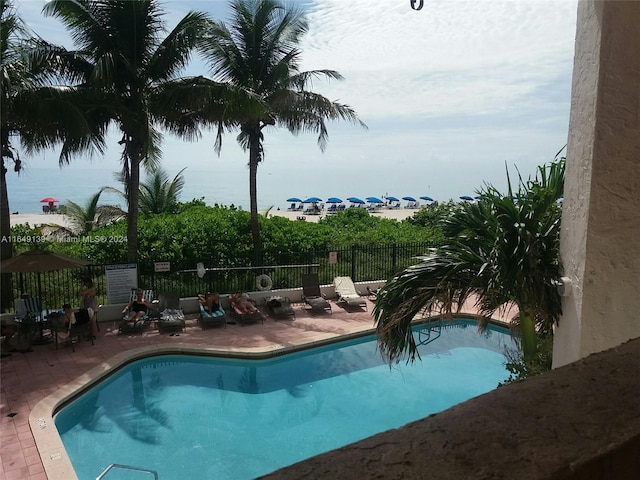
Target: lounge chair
[
  {"x": 240, "y": 314},
  {"x": 279, "y": 307},
  {"x": 215, "y": 319},
  {"x": 134, "y": 327},
  {"x": 311, "y": 293},
  {"x": 171, "y": 315},
  {"x": 139, "y": 325},
  {"x": 347, "y": 293}
]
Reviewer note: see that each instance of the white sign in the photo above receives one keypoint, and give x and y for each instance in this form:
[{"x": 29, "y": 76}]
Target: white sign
[
  {"x": 333, "y": 258},
  {"x": 161, "y": 266},
  {"x": 120, "y": 280}
]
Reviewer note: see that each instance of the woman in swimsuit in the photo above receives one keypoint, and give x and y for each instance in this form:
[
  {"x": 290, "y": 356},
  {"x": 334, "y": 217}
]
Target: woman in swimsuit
[{"x": 137, "y": 307}]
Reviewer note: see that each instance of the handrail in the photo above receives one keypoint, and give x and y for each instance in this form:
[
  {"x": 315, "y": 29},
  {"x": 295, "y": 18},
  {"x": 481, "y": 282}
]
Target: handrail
[{"x": 126, "y": 467}]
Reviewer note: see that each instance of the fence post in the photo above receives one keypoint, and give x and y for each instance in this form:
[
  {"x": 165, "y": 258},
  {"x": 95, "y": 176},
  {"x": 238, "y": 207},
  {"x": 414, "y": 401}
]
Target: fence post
[
  {"x": 353, "y": 263},
  {"x": 394, "y": 259}
]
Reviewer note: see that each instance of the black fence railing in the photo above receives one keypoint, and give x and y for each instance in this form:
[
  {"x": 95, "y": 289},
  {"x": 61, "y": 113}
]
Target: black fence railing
[{"x": 285, "y": 269}]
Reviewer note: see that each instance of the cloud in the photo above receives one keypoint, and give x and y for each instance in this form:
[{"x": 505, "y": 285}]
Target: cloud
[{"x": 452, "y": 57}]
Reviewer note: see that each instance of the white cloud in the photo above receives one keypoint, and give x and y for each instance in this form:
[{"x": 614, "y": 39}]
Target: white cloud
[{"x": 452, "y": 57}]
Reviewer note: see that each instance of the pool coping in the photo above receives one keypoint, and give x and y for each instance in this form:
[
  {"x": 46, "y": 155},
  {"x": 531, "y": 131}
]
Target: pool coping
[{"x": 55, "y": 460}]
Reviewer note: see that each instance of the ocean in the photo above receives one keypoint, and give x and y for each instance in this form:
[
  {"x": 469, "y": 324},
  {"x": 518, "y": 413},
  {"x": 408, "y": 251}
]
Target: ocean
[{"x": 228, "y": 185}]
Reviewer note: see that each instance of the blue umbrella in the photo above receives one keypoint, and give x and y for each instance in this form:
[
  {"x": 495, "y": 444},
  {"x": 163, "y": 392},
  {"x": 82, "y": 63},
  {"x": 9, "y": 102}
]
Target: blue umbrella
[
  {"x": 409, "y": 199},
  {"x": 334, "y": 200},
  {"x": 428, "y": 199},
  {"x": 293, "y": 199},
  {"x": 355, "y": 200},
  {"x": 374, "y": 200},
  {"x": 467, "y": 198},
  {"x": 312, "y": 200},
  {"x": 393, "y": 199}
]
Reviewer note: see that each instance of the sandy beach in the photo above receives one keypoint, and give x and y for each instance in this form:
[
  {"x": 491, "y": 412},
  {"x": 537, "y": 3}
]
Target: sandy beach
[
  {"x": 394, "y": 214},
  {"x": 34, "y": 219}
]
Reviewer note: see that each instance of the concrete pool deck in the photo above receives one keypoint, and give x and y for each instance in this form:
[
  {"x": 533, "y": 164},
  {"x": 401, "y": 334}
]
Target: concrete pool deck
[{"x": 34, "y": 384}]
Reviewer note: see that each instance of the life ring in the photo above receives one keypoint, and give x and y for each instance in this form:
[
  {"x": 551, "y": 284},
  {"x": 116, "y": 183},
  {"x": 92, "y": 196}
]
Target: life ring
[
  {"x": 263, "y": 282},
  {"x": 200, "y": 269}
]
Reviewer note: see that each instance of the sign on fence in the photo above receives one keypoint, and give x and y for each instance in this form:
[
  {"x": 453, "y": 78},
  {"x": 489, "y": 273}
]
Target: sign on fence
[
  {"x": 120, "y": 280},
  {"x": 162, "y": 266},
  {"x": 333, "y": 258}
]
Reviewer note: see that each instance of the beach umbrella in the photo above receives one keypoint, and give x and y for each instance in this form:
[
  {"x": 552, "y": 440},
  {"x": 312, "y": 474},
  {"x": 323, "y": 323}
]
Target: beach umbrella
[
  {"x": 467, "y": 198},
  {"x": 393, "y": 199},
  {"x": 49, "y": 200},
  {"x": 374, "y": 200},
  {"x": 355, "y": 200},
  {"x": 37, "y": 261},
  {"x": 312, "y": 200},
  {"x": 293, "y": 199},
  {"x": 334, "y": 200},
  {"x": 428, "y": 199},
  {"x": 409, "y": 199}
]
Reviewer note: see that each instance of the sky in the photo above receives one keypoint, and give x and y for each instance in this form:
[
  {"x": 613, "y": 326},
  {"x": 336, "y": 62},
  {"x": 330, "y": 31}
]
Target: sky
[{"x": 453, "y": 95}]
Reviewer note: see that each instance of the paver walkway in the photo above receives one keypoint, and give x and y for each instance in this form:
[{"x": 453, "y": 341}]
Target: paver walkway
[{"x": 27, "y": 378}]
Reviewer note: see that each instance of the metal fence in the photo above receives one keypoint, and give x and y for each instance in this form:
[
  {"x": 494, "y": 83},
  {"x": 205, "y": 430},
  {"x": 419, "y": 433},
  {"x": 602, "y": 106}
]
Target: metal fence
[{"x": 285, "y": 269}]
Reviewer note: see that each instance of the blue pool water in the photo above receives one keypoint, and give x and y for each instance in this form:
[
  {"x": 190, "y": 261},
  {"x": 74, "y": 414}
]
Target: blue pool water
[{"x": 192, "y": 417}]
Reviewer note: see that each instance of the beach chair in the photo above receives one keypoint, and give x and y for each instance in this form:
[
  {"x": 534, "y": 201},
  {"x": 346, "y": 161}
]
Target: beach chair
[
  {"x": 214, "y": 319},
  {"x": 134, "y": 327},
  {"x": 279, "y": 307},
  {"x": 171, "y": 315},
  {"x": 243, "y": 316},
  {"x": 347, "y": 293},
  {"x": 312, "y": 295},
  {"x": 139, "y": 325}
]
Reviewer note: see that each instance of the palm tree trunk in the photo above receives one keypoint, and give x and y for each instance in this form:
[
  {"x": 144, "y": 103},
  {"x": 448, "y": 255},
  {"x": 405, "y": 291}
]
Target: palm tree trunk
[
  {"x": 529, "y": 336},
  {"x": 6, "y": 250},
  {"x": 254, "y": 158},
  {"x": 134, "y": 199}
]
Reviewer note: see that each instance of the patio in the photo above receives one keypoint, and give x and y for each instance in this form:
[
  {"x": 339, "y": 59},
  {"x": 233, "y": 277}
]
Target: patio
[{"x": 28, "y": 378}]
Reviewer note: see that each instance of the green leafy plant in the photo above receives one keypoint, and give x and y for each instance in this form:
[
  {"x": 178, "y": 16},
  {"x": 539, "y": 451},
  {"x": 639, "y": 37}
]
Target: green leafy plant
[{"x": 503, "y": 249}]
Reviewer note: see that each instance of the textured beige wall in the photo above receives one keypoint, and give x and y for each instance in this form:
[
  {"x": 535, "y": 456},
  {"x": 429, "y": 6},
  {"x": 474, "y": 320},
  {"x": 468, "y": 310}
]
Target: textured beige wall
[{"x": 600, "y": 245}]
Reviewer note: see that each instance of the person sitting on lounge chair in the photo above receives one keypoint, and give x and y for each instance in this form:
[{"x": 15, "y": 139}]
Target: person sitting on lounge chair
[
  {"x": 137, "y": 308},
  {"x": 210, "y": 302},
  {"x": 243, "y": 303}
]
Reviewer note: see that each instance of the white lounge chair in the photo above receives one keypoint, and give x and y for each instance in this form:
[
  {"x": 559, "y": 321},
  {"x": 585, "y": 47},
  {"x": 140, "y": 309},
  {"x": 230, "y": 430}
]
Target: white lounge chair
[{"x": 347, "y": 293}]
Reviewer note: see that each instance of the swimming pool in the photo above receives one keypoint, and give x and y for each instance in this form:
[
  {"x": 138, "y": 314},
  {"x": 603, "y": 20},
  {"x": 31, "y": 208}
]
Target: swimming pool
[{"x": 201, "y": 417}]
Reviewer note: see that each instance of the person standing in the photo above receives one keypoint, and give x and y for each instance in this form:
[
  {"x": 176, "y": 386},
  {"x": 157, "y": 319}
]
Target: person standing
[{"x": 90, "y": 302}]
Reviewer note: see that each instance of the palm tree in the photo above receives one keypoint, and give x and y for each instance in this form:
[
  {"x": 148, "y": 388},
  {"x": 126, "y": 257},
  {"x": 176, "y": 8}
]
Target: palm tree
[
  {"x": 158, "y": 194},
  {"x": 36, "y": 113},
  {"x": 131, "y": 73},
  {"x": 504, "y": 249},
  {"x": 258, "y": 54},
  {"x": 91, "y": 216}
]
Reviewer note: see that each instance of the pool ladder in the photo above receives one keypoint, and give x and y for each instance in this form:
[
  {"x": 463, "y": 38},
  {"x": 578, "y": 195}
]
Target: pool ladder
[
  {"x": 425, "y": 334},
  {"x": 126, "y": 467}
]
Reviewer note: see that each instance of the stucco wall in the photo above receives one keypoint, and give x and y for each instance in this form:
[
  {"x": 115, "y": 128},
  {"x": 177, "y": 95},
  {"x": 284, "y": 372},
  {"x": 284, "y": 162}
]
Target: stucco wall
[{"x": 600, "y": 244}]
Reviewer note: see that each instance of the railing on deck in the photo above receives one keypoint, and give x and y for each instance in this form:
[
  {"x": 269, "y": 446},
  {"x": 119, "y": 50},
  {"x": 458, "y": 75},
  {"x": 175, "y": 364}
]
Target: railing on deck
[{"x": 361, "y": 263}]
